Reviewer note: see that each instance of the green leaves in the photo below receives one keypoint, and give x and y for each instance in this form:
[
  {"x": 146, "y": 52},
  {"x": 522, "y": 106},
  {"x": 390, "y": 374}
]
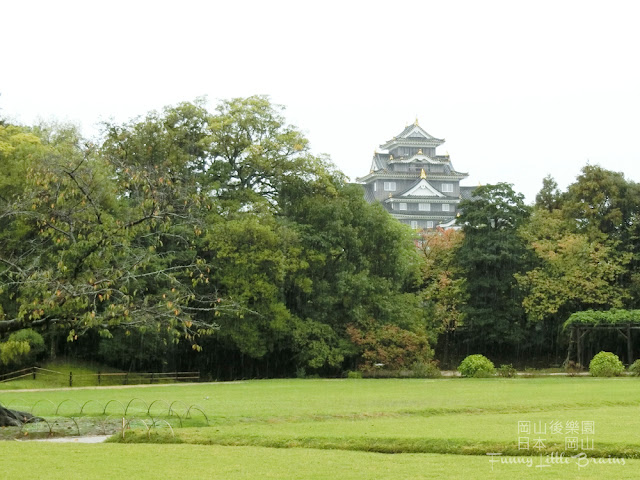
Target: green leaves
[
  {"x": 609, "y": 317},
  {"x": 574, "y": 273},
  {"x": 489, "y": 256},
  {"x": 186, "y": 220}
]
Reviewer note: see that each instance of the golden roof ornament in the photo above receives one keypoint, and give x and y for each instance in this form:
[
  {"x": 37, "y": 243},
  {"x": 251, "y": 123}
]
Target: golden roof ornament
[
  {"x": 423, "y": 173},
  {"x": 390, "y": 157},
  {"x": 420, "y": 151},
  {"x": 416, "y": 122}
]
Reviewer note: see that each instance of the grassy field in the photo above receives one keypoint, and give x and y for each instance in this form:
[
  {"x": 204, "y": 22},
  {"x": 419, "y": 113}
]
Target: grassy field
[
  {"x": 315, "y": 428},
  {"x": 87, "y": 462}
]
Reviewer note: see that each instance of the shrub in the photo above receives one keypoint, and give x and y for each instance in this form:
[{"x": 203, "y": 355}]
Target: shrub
[
  {"x": 507, "y": 371},
  {"x": 21, "y": 348},
  {"x": 389, "y": 347},
  {"x": 606, "y": 364},
  {"x": 425, "y": 370},
  {"x": 476, "y": 366},
  {"x": 634, "y": 368},
  {"x": 352, "y": 374}
]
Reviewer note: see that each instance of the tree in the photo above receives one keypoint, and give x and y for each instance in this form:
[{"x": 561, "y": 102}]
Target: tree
[
  {"x": 252, "y": 151},
  {"x": 606, "y": 207},
  {"x": 574, "y": 272},
  {"x": 602, "y": 201},
  {"x": 108, "y": 244},
  {"x": 489, "y": 256},
  {"x": 443, "y": 285},
  {"x": 549, "y": 197},
  {"x": 362, "y": 266}
]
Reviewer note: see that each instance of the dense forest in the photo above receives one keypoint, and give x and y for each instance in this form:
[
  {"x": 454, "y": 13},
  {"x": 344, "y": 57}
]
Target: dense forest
[{"x": 215, "y": 240}]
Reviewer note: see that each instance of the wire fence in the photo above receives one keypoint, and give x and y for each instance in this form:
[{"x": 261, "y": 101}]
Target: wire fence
[
  {"x": 102, "y": 417},
  {"x": 92, "y": 379}
]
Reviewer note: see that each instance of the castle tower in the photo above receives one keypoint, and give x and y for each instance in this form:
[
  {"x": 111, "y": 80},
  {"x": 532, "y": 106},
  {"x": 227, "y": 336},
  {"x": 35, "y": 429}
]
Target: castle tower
[{"x": 417, "y": 186}]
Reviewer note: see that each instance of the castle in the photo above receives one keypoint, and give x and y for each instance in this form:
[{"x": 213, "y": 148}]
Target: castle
[{"x": 417, "y": 186}]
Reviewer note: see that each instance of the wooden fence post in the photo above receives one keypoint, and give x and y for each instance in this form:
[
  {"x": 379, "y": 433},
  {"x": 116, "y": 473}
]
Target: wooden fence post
[{"x": 70, "y": 379}]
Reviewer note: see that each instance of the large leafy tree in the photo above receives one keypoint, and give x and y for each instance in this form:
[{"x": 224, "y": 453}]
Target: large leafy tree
[
  {"x": 605, "y": 206},
  {"x": 109, "y": 243},
  {"x": 253, "y": 152},
  {"x": 362, "y": 268},
  {"x": 603, "y": 202},
  {"x": 490, "y": 255},
  {"x": 574, "y": 272},
  {"x": 443, "y": 285}
]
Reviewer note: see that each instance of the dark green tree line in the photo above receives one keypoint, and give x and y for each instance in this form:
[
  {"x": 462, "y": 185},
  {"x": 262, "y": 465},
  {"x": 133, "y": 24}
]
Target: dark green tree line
[{"x": 187, "y": 229}]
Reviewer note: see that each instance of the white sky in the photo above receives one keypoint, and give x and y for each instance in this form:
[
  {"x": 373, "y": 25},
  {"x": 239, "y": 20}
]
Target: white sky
[{"x": 518, "y": 89}]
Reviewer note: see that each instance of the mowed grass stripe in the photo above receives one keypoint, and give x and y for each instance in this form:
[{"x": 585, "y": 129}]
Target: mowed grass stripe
[
  {"x": 385, "y": 445},
  {"x": 304, "y": 399},
  {"x": 150, "y": 462},
  {"x": 615, "y": 430}
]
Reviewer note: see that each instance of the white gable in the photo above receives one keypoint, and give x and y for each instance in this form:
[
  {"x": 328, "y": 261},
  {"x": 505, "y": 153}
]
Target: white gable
[
  {"x": 420, "y": 158},
  {"x": 423, "y": 189},
  {"x": 417, "y": 132}
]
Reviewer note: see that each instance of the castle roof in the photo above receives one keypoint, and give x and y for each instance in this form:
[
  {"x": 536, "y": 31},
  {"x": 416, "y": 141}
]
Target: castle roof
[
  {"x": 466, "y": 192},
  {"x": 413, "y": 135},
  {"x": 421, "y": 188}
]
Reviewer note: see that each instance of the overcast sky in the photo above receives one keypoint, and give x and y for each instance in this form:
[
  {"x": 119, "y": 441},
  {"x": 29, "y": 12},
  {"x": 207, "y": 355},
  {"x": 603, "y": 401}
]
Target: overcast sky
[{"x": 518, "y": 89}]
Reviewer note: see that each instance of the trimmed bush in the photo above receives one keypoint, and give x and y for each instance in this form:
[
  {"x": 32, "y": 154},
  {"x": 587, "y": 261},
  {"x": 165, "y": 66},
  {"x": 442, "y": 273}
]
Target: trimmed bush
[
  {"x": 634, "y": 368},
  {"x": 606, "y": 364},
  {"x": 352, "y": 374},
  {"x": 476, "y": 366}
]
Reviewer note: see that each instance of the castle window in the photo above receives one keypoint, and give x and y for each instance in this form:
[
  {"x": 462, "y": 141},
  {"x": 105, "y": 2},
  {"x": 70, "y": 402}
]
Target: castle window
[
  {"x": 403, "y": 206},
  {"x": 414, "y": 224},
  {"x": 424, "y": 207},
  {"x": 447, "y": 187},
  {"x": 445, "y": 207},
  {"x": 429, "y": 224},
  {"x": 389, "y": 186}
]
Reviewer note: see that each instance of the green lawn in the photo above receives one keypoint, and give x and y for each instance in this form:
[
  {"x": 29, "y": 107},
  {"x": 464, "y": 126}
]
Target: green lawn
[
  {"x": 144, "y": 462},
  {"x": 437, "y": 428}
]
